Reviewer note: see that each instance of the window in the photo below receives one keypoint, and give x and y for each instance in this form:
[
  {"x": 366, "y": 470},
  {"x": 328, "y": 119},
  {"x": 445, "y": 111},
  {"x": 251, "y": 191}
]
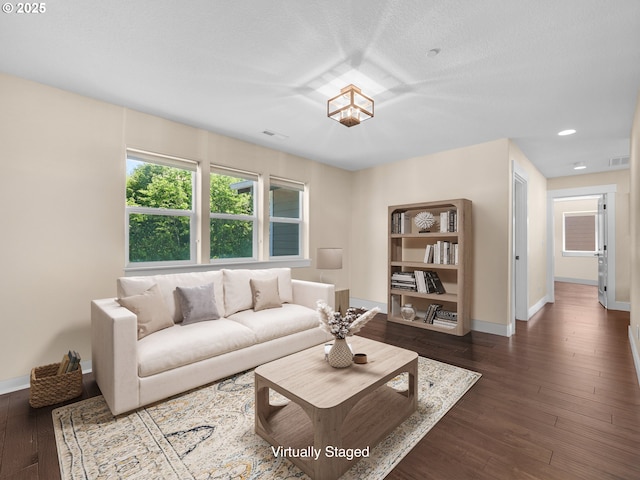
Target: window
[
  {"x": 167, "y": 223},
  {"x": 286, "y": 217},
  {"x": 579, "y": 234},
  {"x": 160, "y": 213},
  {"x": 233, "y": 223}
]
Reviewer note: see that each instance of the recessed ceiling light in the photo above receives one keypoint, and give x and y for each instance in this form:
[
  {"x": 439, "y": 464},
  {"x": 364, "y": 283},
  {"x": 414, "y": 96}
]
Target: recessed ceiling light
[
  {"x": 564, "y": 133},
  {"x": 433, "y": 52},
  {"x": 579, "y": 166}
]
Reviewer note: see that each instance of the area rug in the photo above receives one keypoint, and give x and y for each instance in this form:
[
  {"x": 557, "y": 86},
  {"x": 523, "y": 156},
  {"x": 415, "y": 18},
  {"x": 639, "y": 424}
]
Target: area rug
[{"x": 208, "y": 433}]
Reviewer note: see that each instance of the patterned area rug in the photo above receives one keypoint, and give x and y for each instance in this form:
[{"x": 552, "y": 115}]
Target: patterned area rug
[{"x": 209, "y": 433}]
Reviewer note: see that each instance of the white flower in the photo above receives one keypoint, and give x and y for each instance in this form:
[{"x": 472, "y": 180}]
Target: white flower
[{"x": 339, "y": 326}]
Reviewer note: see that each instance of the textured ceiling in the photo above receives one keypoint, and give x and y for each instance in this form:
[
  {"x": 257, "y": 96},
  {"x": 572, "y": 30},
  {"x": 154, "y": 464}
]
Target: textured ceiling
[{"x": 512, "y": 68}]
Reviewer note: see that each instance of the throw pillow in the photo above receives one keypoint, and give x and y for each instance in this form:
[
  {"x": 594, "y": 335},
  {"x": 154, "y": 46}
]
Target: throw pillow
[
  {"x": 150, "y": 309},
  {"x": 265, "y": 293},
  {"x": 197, "y": 303}
]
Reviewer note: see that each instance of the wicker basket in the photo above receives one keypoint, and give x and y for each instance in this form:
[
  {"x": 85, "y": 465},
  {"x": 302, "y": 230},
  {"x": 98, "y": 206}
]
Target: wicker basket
[{"x": 49, "y": 388}]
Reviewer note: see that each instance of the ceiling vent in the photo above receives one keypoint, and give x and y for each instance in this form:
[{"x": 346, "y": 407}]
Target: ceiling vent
[
  {"x": 619, "y": 161},
  {"x": 276, "y": 135}
]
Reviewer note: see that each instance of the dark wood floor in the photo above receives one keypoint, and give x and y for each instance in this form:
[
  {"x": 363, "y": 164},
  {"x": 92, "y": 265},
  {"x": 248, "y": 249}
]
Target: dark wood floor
[{"x": 557, "y": 401}]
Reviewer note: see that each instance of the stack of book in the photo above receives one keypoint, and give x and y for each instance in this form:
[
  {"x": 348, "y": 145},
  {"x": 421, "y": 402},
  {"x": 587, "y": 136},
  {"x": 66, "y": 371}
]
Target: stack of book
[
  {"x": 70, "y": 362},
  {"x": 404, "y": 281},
  {"x": 441, "y": 253},
  {"x": 428, "y": 282},
  {"x": 400, "y": 222},
  {"x": 445, "y": 318},
  {"x": 449, "y": 221}
]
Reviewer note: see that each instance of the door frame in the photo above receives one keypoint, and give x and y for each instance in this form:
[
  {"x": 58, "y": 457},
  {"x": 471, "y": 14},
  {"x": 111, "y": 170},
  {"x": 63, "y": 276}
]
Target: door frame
[
  {"x": 608, "y": 191},
  {"x": 520, "y": 242}
]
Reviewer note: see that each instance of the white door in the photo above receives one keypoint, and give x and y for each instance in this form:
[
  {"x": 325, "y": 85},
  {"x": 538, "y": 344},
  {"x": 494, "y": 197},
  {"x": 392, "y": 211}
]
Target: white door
[{"x": 602, "y": 250}]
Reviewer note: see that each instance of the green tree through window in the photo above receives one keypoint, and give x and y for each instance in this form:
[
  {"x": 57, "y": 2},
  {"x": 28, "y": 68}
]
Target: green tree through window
[
  {"x": 158, "y": 231},
  {"x": 233, "y": 221}
]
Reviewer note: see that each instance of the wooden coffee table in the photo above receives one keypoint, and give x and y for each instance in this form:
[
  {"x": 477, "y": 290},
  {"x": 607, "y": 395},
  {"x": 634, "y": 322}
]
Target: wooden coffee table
[{"x": 338, "y": 415}]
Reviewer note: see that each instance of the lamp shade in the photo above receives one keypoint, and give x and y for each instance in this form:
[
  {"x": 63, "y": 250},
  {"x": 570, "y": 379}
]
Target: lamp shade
[
  {"x": 350, "y": 107},
  {"x": 329, "y": 259}
]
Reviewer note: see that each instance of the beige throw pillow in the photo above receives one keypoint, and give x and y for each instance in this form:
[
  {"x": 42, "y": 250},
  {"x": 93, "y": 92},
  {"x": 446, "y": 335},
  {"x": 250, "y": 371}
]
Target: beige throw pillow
[
  {"x": 150, "y": 309},
  {"x": 265, "y": 293}
]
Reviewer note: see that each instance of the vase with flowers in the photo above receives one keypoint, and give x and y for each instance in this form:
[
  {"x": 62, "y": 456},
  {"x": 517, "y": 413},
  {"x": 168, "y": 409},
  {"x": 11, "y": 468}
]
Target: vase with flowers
[{"x": 340, "y": 355}]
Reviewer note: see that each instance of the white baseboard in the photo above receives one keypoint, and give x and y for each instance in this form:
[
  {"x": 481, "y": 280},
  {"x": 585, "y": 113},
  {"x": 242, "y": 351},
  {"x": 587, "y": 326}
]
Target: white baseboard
[
  {"x": 538, "y": 305},
  {"x": 581, "y": 281},
  {"x": 368, "y": 304},
  {"x": 622, "y": 306},
  {"x": 490, "y": 327},
  {"x": 23, "y": 382},
  {"x": 634, "y": 352}
]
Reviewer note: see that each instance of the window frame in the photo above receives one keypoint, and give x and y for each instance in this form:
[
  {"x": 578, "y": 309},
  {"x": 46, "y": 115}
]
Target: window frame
[
  {"x": 579, "y": 253},
  {"x": 300, "y": 187},
  {"x": 247, "y": 176},
  {"x": 165, "y": 161}
]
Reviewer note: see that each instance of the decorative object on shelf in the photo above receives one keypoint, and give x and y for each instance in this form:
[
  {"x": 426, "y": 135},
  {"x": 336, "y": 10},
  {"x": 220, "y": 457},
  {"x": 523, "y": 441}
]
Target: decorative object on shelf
[
  {"x": 408, "y": 312},
  {"x": 424, "y": 221},
  {"x": 340, "y": 355},
  {"x": 350, "y": 107}
]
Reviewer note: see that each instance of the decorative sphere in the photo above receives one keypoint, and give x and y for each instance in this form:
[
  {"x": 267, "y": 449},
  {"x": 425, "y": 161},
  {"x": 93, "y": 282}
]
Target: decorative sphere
[{"x": 424, "y": 220}]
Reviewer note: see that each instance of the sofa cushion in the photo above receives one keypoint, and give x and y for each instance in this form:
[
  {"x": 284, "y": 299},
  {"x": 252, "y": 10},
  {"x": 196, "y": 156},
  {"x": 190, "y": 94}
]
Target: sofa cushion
[
  {"x": 151, "y": 312},
  {"x": 265, "y": 293},
  {"x": 198, "y": 303},
  {"x": 184, "y": 344},
  {"x": 237, "y": 288},
  {"x": 277, "y": 322},
  {"x": 167, "y": 284}
]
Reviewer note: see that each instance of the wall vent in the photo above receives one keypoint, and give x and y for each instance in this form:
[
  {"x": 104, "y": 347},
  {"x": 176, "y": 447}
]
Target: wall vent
[{"x": 619, "y": 161}]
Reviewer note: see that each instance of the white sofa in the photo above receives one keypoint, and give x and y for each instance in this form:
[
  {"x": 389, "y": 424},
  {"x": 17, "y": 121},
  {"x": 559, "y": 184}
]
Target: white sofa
[{"x": 132, "y": 371}]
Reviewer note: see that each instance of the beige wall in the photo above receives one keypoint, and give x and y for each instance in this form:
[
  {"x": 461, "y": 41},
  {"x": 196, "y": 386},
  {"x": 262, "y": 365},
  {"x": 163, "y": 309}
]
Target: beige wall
[
  {"x": 62, "y": 191},
  {"x": 479, "y": 173},
  {"x": 634, "y": 329},
  {"x": 572, "y": 268},
  {"x": 620, "y": 178}
]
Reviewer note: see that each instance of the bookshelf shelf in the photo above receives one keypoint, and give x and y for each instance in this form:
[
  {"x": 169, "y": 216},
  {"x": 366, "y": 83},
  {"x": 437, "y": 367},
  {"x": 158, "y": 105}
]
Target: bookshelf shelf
[{"x": 423, "y": 263}]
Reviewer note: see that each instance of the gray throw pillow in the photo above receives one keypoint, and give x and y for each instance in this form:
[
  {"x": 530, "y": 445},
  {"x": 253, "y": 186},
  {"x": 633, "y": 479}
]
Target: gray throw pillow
[{"x": 198, "y": 304}]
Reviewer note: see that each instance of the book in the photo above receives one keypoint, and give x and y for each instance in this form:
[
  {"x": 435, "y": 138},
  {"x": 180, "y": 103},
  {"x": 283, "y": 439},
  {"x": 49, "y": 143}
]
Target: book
[
  {"x": 431, "y": 312},
  {"x": 435, "y": 282},
  {"x": 64, "y": 364},
  {"x": 74, "y": 361}
]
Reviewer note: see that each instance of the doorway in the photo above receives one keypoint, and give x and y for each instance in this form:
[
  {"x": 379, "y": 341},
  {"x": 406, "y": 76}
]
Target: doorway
[{"x": 603, "y": 214}]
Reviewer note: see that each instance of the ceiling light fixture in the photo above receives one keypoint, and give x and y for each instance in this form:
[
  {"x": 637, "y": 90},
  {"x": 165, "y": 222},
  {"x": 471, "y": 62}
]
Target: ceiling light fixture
[
  {"x": 350, "y": 107},
  {"x": 579, "y": 166},
  {"x": 564, "y": 133}
]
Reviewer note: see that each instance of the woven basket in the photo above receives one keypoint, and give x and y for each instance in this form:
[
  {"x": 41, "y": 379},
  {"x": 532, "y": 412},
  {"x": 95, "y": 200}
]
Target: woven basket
[{"x": 49, "y": 388}]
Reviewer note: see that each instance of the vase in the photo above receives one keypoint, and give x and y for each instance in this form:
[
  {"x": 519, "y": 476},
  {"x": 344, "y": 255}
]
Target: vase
[
  {"x": 340, "y": 355},
  {"x": 408, "y": 312}
]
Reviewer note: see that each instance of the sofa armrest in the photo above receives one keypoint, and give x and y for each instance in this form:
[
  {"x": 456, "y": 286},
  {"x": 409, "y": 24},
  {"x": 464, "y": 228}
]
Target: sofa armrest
[
  {"x": 308, "y": 293},
  {"x": 114, "y": 337}
]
